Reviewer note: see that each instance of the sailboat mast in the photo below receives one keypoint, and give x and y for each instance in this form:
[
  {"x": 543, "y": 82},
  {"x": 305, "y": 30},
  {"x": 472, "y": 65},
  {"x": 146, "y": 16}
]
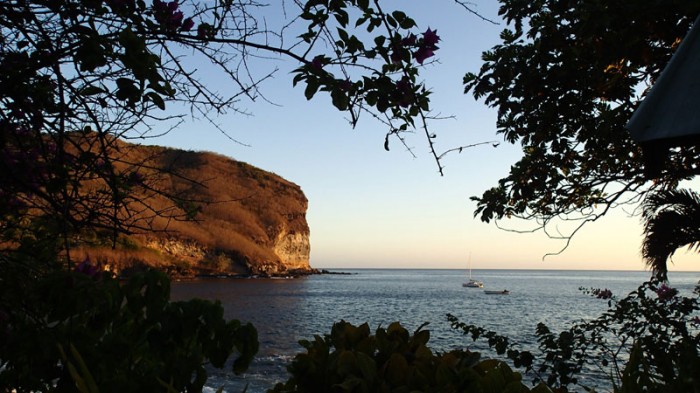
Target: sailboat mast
[{"x": 470, "y": 265}]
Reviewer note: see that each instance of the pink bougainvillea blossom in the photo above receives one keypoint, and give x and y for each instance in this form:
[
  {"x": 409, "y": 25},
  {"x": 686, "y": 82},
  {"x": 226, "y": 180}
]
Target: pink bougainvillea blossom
[
  {"x": 666, "y": 293},
  {"x": 427, "y": 46},
  {"x": 170, "y": 18},
  {"x": 205, "y": 31},
  {"x": 87, "y": 268},
  {"x": 187, "y": 24},
  {"x": 430, "y": 38},
  {"x": 603, "y": 293},
  {"x": 404, "y": 94},
  {"x": 423, "y": 54},
  {"x": 317, "y": 63}
]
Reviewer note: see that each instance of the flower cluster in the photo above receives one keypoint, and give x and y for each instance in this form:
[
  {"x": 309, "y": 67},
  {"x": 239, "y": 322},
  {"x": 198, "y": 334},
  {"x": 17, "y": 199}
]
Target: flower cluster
[
  {"x": 399, "y": 51},
  {"x": 602, "y": 293},
  {"x": 88, "y": 269},
  {"x": 427, "y": 46},
  {"x": 317, "y": 63},
  {"x": 205, "y": 31},
  {"x": 404, "y": 93},
  {"x": 170, "y": 18},
  {"x": 666, "y": 293},
  {"x": 421, "y": 49}
]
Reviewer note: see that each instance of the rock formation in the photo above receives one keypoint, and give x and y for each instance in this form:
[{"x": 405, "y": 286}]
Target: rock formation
[{"x": 214, "y": 216}]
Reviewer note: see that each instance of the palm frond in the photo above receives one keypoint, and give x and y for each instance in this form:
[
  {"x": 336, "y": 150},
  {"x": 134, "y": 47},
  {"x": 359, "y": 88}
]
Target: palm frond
[
  {"x": 677, "y": 199},
  {"x": 671, "y": 221}
]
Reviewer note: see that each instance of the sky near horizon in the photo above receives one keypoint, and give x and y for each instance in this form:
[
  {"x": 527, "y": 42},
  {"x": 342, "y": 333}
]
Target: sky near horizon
[{"x": 373, "y": 208}]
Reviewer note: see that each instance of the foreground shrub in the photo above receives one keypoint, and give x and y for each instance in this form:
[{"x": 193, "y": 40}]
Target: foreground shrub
[
  {"x": 648, "y": 341},
  {"x": 351, "y": 359},
  {"x": 82, "y": 330}
]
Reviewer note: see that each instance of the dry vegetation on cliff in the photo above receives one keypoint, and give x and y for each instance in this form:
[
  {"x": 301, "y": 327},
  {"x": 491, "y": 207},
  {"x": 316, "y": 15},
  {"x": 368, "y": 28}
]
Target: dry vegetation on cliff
[{"x": 200, "y": 212}]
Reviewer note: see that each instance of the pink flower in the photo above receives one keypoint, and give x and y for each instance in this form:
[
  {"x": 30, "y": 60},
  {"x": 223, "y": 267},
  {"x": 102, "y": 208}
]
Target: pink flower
[
  {"x": 172, "y": 6},
  {"x": 169, "y": 17},
  {"x": 422, "y": 54},
  {"x": 430, "y": 38},
  {"x": 175, "y": 19},
  {"x": 603, "y": 293},
  {"x": 317, "y": 63},
  {"x": 205, "y": 31},
  {"x": 427, "y": 46},
  {"x": 404, "y": 94},
  {"x": 187, "y": 24},
  {"x": 666, "y": 293},
  {"x": 159, "y": 6},
  {"x": 87, "y": 268}
]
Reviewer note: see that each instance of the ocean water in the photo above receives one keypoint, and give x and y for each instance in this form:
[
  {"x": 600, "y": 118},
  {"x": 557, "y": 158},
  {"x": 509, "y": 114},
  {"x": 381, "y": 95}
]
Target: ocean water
[{"x": 287, "y": 310}]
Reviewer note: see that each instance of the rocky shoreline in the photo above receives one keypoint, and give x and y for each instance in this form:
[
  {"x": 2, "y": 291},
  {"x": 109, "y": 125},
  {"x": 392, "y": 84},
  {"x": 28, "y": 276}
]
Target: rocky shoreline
[{"x": 289, "y": 275}]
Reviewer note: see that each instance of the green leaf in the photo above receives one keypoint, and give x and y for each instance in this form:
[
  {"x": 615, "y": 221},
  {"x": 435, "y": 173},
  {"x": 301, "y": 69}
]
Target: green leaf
[
  {"x": 156, "y": 99},
  {"x": 379, "y": 41},
  {"x": 396, "y": 369},
  {"x": 382, "y": 105},
  {"x": 91, "y": 90},
  {"x": 311, "y": 88},
  {"x": 343, "y": 35},
  {"x": 399, "y": 16},
  {"x": 367, "y": 366},
  {"x": 407, "y": 23},
  {"x": 342, "y": 17},
  {"x": 83, "y": 379},
  {"x": 421, "y": 337},
  {"x": 340, "y": 100}
]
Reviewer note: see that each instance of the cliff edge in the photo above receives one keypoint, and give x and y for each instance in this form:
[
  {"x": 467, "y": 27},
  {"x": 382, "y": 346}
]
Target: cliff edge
[{"x": 200, "y": 213}]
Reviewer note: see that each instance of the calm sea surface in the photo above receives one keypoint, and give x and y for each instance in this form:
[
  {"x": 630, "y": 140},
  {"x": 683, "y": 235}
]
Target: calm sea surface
[{"x": 285, "y": 311}]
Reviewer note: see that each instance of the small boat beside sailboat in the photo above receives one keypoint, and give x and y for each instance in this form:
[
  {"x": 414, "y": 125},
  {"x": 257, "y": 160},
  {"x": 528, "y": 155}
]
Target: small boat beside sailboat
[{"x": 503, "y": 292}]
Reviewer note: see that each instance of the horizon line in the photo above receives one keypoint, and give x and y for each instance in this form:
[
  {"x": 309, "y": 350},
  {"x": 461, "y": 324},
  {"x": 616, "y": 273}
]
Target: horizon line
[{"x": 538, "y": 269}]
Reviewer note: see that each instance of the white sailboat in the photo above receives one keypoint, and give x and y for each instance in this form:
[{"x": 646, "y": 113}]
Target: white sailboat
[{"x": 472, "y": 282}]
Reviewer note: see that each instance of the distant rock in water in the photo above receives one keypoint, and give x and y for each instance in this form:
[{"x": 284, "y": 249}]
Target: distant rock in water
[{"x": 226, "y": 218}]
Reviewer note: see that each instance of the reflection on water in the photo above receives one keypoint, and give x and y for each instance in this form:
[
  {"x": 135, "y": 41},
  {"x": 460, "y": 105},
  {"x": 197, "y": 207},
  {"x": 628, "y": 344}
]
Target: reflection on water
[{"x": 285, "y": 311}]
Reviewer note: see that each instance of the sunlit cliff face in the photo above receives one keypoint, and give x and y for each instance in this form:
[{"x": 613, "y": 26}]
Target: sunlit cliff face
[{"x": 245, "y": 220}]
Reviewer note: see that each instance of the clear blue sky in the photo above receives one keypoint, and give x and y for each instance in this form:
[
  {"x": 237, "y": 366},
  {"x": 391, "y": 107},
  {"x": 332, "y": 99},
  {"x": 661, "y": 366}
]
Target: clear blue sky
[{"x": 372, "y": 208}]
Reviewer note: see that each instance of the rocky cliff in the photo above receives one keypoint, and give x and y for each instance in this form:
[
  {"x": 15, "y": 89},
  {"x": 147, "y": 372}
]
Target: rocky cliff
[{"x": 203, "y": 213}]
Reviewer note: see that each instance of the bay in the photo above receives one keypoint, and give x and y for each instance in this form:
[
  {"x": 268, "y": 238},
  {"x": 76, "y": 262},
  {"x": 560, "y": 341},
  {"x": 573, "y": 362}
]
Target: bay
[{"x": 285, "y": 311}]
